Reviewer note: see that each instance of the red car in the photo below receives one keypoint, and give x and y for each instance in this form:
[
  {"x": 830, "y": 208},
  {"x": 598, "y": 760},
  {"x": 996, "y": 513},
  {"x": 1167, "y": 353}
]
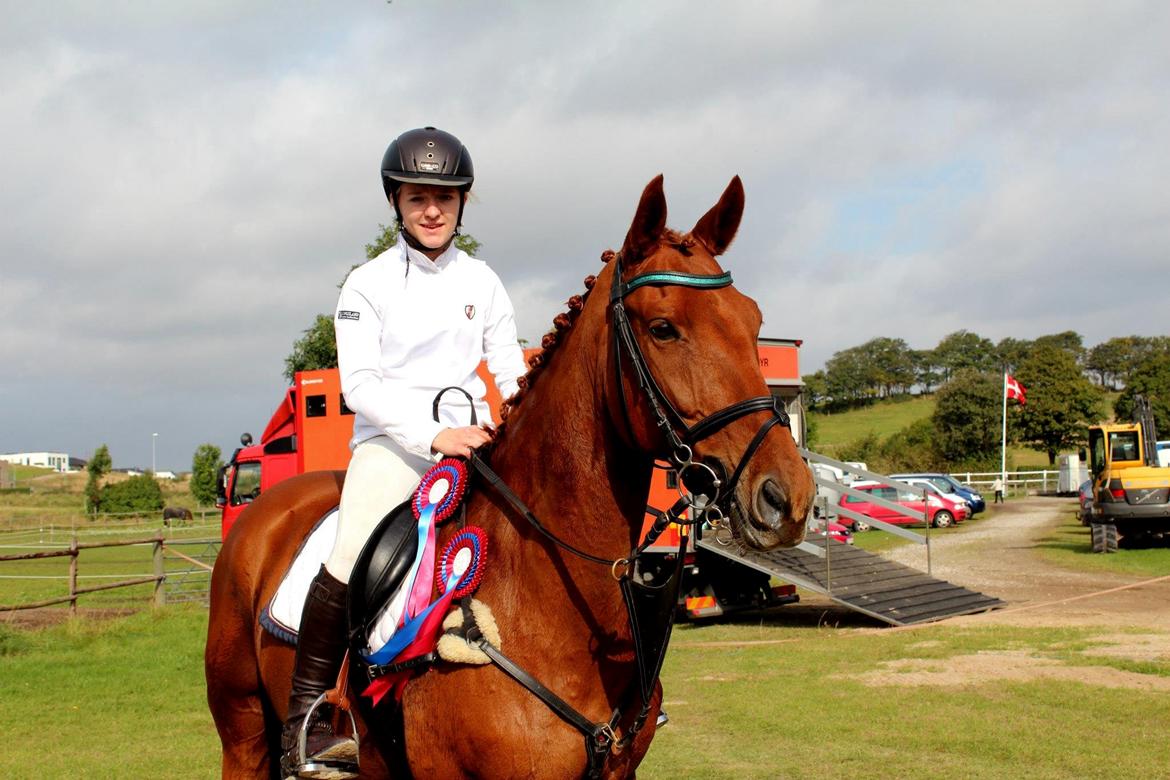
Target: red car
[{"x": 940, "y": 511}]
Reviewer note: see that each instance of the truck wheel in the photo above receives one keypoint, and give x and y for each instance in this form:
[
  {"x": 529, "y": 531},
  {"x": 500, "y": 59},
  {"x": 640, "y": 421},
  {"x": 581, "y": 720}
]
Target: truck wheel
[
  {"x": 943, "y": 519},
  {"x": 1104, "y": 537}
]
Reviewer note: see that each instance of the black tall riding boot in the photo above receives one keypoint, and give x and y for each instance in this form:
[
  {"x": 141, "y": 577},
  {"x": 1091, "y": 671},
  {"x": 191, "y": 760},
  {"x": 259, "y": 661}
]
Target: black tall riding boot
[{"x": 320, "y": 650}]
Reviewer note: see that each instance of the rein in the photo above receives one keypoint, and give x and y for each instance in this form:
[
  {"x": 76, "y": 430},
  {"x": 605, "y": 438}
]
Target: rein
[{"x": 650, "y": 609}]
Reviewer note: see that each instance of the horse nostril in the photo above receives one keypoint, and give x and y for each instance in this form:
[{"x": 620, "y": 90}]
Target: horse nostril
[
  {"x": 775, "y": 496},
  {"x": 771, "y": 504}
]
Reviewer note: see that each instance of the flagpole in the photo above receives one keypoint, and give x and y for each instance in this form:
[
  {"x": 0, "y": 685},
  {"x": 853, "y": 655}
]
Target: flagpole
[{"x": 1003, "y": 441}]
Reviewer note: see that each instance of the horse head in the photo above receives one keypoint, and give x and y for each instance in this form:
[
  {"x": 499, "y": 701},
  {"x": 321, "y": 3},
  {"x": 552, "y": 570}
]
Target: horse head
[{"x": 701, "y": 399}]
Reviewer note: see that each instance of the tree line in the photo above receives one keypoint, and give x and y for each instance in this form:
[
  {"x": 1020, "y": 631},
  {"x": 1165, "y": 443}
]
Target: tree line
[{"x": 1066, "y": 385}]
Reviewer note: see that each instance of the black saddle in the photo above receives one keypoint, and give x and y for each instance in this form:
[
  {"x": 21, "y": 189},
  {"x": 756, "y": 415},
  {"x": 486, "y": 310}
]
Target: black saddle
[{"x": 380, "y": 568}]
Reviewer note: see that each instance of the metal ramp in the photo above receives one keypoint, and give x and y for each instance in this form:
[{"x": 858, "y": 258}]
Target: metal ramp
[{"x": 862, "y": 581}]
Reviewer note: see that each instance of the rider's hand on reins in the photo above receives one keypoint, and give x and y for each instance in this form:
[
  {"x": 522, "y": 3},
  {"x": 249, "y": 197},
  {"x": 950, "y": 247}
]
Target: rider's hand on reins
[{"x": 461, "y": 441}]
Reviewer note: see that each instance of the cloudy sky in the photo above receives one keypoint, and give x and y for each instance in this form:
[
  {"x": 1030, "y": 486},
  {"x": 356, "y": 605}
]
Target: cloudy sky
[{"x": 183, "y": 184}]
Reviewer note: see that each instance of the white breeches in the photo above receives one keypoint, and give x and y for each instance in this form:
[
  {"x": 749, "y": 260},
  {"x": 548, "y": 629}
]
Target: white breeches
[{"x": 381, "y": 476}]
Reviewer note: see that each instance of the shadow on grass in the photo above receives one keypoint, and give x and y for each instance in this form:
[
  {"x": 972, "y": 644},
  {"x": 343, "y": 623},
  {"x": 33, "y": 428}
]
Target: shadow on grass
[{"x": 813, "y": 615}]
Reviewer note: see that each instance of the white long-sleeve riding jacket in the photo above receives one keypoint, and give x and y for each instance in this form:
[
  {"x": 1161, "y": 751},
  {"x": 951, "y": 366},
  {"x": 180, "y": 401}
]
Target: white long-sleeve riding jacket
[{"x": 407, "y": 327}]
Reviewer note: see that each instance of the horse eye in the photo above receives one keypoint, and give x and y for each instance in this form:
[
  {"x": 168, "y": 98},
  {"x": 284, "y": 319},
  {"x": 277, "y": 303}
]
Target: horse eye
[{"x": 663, "y": 330}]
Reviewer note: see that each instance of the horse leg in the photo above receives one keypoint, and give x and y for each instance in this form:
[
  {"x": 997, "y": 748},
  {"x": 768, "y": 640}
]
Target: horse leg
[{"x": 234, "y": 692}]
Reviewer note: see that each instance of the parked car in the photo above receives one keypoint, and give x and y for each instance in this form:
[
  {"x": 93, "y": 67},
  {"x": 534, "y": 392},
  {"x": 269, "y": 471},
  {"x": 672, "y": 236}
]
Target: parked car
[
  {"x": 942, "y": 488},
  {"x": 1085, "y": 494},
  {"x": 837, "y": 531},
  {"x": 948, "y": 484},
  {"x": 940, "y": 512}
]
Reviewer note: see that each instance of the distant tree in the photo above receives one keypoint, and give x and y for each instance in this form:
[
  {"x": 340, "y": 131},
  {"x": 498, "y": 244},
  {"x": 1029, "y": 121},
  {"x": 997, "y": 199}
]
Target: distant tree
[
  {"x": 967, "y": 416},
  {"x": 816, "y": 389},
  {"x": 963, "y": 349},
  {"x": 1150, "y": 378},
  {"x": 847, "y": 376},
  {"x": 317, "y": 346},
  {"x": 890, "y": 366},
  {"x": 205, "y": 467},
  {"x": 137, "y": 494},
  {"x": 1012, "y": 352},
  {"x": 1110, "y": 360},
  {"x": 99, "y": 465},
  {"x": 926, "y": 372},
  {"x": 1070, "y": 341},
  {"x": 1061, "y": 401}
]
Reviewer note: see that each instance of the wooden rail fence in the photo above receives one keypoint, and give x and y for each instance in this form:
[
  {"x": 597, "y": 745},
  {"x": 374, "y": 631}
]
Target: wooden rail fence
[{"x": 73, "y": 552}]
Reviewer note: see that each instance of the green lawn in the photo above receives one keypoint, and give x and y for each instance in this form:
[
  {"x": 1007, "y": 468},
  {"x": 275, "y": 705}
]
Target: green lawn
[
  {"x": 1068, "y": 545},
  {"x": 758, "y": 699}
]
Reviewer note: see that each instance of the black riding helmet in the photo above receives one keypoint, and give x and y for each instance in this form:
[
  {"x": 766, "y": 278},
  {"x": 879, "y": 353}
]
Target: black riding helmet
[{"x": 426, "y": 156}]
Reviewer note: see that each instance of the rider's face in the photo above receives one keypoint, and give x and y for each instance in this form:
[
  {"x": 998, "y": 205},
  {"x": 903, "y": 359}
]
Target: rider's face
[{"x": 429, "y": 213}]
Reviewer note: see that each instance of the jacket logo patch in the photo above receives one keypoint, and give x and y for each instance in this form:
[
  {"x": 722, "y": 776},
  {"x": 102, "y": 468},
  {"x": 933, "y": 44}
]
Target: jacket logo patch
[
  {"x": 348, "y": 315},
  {"x": 469, "y": 311}
]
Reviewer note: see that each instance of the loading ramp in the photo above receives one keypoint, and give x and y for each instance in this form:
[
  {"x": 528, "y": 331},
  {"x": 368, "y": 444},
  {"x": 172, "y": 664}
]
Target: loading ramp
[{"x": 862, "y": 581}]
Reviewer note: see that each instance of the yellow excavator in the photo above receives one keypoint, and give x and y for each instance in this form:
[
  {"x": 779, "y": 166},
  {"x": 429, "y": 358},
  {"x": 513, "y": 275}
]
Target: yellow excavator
[{"x": 1131, "y": 492}]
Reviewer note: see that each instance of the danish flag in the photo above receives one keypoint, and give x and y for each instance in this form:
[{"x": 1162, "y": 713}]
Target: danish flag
[{"x": 1013, "y": 388}]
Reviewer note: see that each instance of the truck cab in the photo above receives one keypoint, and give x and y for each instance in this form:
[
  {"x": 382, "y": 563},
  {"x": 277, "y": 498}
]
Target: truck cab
[{"x": 309, "y": 431}]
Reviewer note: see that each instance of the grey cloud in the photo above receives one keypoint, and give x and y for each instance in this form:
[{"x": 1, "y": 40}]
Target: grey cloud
[{"x": 186, "y": 183}]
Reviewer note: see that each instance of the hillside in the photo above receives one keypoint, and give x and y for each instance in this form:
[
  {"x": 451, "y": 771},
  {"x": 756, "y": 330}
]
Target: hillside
[{"x": 887, "y": 417}]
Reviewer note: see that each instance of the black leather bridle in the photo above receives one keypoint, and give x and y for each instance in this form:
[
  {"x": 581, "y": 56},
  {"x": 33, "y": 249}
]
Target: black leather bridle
[{"x": 681, "y": 436}]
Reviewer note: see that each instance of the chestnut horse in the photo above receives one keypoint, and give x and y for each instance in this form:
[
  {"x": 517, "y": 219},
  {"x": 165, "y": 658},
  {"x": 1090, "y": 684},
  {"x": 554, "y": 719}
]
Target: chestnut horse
[{"x": 660, "y": 364}]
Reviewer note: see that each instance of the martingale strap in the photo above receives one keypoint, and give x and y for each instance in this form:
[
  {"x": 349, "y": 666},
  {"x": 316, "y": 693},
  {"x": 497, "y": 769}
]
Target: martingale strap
[{"x": 600, "y": 738}]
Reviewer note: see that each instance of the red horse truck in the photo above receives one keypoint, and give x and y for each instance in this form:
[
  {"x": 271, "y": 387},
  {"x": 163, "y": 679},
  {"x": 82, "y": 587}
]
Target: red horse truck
[{"x": 311, "y": 428}]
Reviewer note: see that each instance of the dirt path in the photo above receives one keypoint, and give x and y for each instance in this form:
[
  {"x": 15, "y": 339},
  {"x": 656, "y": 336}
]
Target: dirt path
[{"x": 999, "y": 556}]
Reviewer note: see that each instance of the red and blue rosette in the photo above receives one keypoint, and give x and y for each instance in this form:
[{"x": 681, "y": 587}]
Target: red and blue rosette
[
  {"x": 461, "y": 564},
  {"x": 442, "y": 489}
]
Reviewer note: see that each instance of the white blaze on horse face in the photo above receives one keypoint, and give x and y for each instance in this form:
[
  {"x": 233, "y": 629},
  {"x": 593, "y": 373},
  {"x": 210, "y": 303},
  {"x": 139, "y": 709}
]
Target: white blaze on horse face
[{"x": 438, "y": 490}]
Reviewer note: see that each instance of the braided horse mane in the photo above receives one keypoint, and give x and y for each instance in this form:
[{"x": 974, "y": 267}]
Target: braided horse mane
[{"x": 564, "y": 321}]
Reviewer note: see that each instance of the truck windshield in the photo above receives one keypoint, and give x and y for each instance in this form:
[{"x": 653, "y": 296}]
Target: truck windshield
[{"x": 246, "y": 486}]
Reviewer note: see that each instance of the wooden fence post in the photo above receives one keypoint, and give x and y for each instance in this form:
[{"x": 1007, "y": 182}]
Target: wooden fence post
[
  {"x": 160, "y": 593},
  {"x": 73, "y": 576}
]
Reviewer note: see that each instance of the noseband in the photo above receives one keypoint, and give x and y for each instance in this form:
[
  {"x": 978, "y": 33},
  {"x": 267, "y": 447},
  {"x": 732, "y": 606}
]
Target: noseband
[{"x": 680, "y": 436}]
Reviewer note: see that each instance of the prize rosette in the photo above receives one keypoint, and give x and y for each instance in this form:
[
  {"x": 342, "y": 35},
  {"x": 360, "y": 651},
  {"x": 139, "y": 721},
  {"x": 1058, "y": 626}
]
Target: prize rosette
[
  {"x": 441, "y": 489},
  {"x": 461, "y": 564}
]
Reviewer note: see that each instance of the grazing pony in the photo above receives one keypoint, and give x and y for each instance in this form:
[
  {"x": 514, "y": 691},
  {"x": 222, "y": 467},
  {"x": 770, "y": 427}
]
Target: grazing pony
[{"x": 657, "y": 360}]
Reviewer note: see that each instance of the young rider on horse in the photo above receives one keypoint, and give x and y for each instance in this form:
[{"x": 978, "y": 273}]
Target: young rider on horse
[{"x": 417, "y": 318}]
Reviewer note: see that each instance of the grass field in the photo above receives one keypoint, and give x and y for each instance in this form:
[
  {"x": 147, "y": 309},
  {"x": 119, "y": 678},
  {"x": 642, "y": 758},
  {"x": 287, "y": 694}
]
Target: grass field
[
  {"x": 1068, "y": 546},
  {"x": 757, "y": 700}
]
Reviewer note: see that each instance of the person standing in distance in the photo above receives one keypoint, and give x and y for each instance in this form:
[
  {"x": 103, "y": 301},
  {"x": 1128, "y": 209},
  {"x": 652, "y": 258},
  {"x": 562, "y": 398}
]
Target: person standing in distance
[{"x": 416, "y": 319}]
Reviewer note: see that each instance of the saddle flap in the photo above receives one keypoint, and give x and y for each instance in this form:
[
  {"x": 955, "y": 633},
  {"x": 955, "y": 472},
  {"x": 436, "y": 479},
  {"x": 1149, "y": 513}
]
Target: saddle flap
[{"x": 383, "y": 564}]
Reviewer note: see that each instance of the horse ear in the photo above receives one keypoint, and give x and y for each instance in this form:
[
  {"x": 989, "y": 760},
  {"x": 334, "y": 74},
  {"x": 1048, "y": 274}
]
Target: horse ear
[
  {"x": 717, "y": 228},
  {"x": 648, "y": 224}
]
